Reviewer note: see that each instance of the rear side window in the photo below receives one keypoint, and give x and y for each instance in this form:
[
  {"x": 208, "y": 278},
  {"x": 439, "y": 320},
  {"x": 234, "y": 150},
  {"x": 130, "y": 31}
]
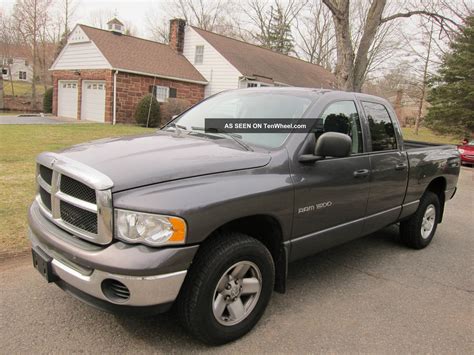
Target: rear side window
[
  {"x": 342, "y": 117},
  {"x": 381, "y": 127}
]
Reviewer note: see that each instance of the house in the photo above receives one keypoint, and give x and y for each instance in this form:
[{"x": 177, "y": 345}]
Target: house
[
  {"x": 101, "y": 75},
  {"x": 15, "y": 62},
  {"x": 227, "y": 63}
]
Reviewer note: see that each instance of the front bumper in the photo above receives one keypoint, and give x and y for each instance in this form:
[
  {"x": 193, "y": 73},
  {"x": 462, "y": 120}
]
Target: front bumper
[{"x": 153, "y": 276}]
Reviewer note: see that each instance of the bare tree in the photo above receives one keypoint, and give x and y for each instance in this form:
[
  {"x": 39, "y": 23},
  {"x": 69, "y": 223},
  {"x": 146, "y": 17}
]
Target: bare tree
[
  {"x": 100, "y": 17},
  {"x": 8, "y": 38},
  {"x": 31, "y": 20},
  {"x": 210, "y": 15},
  {"x": 1, "y": 93},
  {"x": 315, "y": 39},
  {"x": 158, "y": 28},
  {"x": 260, "y": 18},
  {"x": 424, "y": 79},
  {"x": 354, "y": 60}
]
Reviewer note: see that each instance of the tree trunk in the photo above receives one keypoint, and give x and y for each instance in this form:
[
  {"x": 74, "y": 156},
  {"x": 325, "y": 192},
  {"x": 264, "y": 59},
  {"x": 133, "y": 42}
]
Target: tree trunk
[
  {"x": 398, "y": 108},
  {"x": 2, "y": 106},
  {"x": 423, "y": 87}
]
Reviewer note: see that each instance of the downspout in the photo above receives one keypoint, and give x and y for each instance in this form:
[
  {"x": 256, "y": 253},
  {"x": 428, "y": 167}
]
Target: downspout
[{"x": 114, "y": 110}]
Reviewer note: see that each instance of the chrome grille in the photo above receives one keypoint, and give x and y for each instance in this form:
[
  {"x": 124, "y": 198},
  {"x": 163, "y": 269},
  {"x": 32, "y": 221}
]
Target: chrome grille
[
  {"x": 75, "y": 197},
  {"x": 45, "y": 198},
  {"x": 77, "y": 189},
  {"x": 78, "y": 217},
  {"x": 46, "y": 174}
]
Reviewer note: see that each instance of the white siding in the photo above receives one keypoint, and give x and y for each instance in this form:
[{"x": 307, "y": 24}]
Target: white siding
[
  {"x": 80, "y": 53},
  {"x": 18, "y": 65},
  {"x": 220, "y": 74}
]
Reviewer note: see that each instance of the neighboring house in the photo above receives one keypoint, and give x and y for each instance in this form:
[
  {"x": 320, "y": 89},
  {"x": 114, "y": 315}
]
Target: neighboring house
[
  {"x": 101, "y": 75},
  {"x": 15, "y": 63},
  {"x": 227, "y": 63}
]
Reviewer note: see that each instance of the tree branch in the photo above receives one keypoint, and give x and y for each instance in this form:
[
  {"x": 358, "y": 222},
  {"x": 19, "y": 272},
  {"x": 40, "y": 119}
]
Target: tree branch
[{"x": 419, "y": 12}]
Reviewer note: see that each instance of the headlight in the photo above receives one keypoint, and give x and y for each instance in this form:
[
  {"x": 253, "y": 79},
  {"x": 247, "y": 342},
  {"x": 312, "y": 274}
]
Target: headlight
[
  {"x": 150, "y": 229},
  {"x": 460, "y": 150}
]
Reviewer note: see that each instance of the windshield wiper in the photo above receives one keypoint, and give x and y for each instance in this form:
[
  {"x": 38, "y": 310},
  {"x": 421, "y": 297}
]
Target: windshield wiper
[{"x": 237, "y": 138}]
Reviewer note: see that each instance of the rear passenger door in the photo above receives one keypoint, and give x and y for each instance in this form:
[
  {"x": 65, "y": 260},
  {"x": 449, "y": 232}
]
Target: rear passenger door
[{"x": 388, "y": 165}]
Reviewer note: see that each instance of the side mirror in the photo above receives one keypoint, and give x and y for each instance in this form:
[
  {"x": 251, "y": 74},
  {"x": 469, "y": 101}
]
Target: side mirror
[{"x": 329, "y": 144}]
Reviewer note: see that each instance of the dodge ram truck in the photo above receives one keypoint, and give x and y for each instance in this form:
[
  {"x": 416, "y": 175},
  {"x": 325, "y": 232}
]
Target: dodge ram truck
[{"x": 208, "y": 221}]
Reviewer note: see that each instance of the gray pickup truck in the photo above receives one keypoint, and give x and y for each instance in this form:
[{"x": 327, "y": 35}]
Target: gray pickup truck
[{"x": 209, "y": 221}]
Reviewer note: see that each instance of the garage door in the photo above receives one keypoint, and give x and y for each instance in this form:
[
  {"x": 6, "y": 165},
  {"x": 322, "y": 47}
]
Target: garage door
[
  {"x": 93, "y": 101},
  {"x": 67, "y": 98}
]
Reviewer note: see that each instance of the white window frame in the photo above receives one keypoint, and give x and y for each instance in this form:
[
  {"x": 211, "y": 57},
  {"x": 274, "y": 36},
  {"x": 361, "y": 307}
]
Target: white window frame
[
  {"x": 199, "y": 54},
  {"x": 22, "y": 75},
  {"x": 257, "y": 84},
  {"x": 162, "y": 93}
]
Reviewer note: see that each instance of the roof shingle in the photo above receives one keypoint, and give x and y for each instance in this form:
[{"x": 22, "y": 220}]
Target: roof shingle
[
  {"x": 141, "y": 55},
  {"x": 262, "y": 63}
]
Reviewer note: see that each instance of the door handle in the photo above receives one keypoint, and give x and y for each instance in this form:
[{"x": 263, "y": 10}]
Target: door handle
[
  {"x": 400, "y": 166},
  {"x": 361, "y": 173}
]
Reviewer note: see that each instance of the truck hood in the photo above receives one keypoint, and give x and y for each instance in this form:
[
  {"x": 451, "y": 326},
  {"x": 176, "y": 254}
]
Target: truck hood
[{"x": 163, "y": 156}]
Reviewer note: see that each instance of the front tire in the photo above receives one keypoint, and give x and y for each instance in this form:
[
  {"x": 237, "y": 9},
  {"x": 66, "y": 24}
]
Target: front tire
[
  {"x": 418, "y": 231},
  {"x": 227, "y": 288}
]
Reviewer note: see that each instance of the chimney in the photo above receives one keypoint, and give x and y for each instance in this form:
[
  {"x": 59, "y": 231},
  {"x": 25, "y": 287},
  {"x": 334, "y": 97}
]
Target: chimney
[{"x": 176, "y": 37}]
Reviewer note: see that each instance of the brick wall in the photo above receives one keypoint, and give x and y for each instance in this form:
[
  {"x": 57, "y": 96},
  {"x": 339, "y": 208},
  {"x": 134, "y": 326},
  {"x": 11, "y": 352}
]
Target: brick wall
[
  {"x": 131, "y": 88},
  {"x": 176, "y": 34},
  {"x": 80, "y": 76}
]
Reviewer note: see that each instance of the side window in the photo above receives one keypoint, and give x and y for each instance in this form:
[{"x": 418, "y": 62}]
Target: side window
[
  {"x": 342, "y": 117},
  {"x": 381, "y": 127},
  {"x": 199, "y": 55}
]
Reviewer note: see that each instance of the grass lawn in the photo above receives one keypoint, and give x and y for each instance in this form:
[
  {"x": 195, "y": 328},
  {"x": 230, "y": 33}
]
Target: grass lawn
[
  {"x": 427, "y": 135},
  {"x": 19, "y": 145},
  {"x": 10, "y": 113},
  {"x": 21, "y": 88}
]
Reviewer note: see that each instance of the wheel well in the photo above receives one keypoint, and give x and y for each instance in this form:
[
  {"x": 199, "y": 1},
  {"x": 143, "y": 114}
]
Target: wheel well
[
  {"x": 438, "y": 186},
  {"x": 268, "y": 231}
]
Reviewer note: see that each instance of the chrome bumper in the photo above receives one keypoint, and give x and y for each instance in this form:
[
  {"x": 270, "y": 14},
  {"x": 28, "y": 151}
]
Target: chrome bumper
[{"x": 144, "y": 290}]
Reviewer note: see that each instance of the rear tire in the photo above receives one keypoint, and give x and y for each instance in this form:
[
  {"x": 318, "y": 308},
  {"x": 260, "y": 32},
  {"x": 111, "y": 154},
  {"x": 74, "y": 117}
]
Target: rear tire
[
  {"x": 227, "y": 288},
  {"x": 418, "y": 231}
]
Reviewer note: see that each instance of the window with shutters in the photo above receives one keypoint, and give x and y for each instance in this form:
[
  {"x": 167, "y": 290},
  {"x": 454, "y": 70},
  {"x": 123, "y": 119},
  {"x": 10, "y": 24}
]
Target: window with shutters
[{"x": 161, "y": 93}]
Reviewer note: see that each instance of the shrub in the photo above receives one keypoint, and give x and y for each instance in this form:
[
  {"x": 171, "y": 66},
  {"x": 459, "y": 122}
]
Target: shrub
[
  {"x": 143, "y": 109},
  {"x": 48, "y": 101},
  {"x": 173, "y": 107}
]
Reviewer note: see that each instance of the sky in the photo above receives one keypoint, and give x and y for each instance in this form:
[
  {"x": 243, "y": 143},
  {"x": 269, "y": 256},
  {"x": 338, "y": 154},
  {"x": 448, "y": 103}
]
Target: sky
[{"x": 133, "y": 11}]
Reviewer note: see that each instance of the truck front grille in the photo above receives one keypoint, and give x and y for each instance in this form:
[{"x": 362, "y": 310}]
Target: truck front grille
[
  {"x": 78, "y": 217},
  {"x": 46, "y": 174},
  {"x": 77, "y": 189},
  {"x": 73, "y": 205},
  {"x": 45, "y": 198}
]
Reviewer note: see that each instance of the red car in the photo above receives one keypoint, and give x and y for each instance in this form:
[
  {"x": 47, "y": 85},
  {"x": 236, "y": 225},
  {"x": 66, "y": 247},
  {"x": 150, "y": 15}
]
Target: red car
[{"x": 467, "y": 152}]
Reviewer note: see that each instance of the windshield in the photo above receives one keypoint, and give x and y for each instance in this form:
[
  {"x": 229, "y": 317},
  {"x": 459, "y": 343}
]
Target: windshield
[{"x": 246, "y": 104}]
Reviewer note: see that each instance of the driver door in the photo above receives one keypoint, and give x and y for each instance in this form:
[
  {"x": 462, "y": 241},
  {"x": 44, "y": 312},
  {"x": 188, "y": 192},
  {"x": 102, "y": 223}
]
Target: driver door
[{"x": 331, "y": 195}]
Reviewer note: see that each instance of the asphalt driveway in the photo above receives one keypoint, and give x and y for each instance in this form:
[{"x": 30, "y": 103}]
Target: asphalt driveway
[
  {"x": 372, "y": 295},
  {"x": 34, "y": 120}
]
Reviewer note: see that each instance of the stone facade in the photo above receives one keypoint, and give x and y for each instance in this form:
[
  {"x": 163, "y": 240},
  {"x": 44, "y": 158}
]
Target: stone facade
[{"x": 130, "y": 90}]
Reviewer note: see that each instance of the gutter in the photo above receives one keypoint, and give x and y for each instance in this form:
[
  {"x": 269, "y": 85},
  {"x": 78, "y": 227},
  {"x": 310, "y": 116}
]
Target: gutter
[
  {"x": 162, "y": 76},
  {"x": 114, "y": 110}
]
